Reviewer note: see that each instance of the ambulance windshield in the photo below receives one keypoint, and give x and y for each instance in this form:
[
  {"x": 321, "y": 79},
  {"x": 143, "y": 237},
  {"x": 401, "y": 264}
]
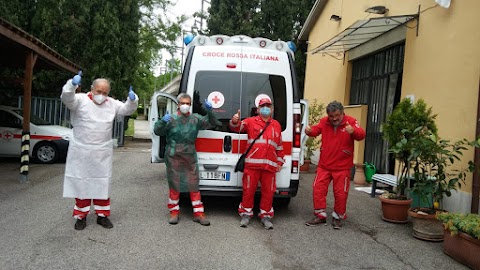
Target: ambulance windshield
[{"x": 230, "y": 91}]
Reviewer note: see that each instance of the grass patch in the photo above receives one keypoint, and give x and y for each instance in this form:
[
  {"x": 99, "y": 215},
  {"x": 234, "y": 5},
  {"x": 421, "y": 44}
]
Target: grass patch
[{"x": 131, "y": 127}]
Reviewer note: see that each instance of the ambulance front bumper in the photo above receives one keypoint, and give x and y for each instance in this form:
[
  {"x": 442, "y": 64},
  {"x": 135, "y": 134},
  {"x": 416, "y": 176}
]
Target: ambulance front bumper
[{"x": 237, "y": 191}]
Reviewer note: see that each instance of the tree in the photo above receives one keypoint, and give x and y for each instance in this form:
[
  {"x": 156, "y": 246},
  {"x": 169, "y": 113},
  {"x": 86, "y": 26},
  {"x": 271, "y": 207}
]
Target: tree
[
  {"x": 116, "y": 39},
  {"x": 232, "y": 17}
]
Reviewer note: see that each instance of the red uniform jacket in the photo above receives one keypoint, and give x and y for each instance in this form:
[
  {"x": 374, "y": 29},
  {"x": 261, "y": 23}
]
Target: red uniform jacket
[
  {"x": 336, "y": 151},
  {"x": 267, "y": 151}
]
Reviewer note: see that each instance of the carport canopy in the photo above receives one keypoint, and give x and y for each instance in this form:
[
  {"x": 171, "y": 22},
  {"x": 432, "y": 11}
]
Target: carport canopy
[
  {"x": 361, "y": 32},
  {"x": 18, "y": 49}
]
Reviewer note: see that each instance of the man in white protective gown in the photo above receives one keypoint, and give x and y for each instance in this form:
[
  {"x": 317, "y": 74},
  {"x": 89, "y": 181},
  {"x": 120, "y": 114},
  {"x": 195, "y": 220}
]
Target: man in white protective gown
[{"x": 88, "y": 169}]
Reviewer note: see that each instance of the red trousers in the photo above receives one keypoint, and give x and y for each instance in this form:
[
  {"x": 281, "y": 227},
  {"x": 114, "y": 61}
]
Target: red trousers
[
  {"x": 195, "y": 197},
  {"x": 82, "y": 207},
  {"x": 341, "y": 186},
  {"x": 268, "y": 186}
]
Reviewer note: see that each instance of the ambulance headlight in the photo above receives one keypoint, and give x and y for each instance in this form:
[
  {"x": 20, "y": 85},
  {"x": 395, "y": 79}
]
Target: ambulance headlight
[
  {"x": 292, "y": 46},
  {"x": 66, "y": 137},
  {"x": 188, "y": 39}
]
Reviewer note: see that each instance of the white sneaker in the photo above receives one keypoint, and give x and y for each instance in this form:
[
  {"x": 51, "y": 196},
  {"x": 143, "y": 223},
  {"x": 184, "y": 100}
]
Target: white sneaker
[
  {"x": 244, "y": 222},
  {"x": 267, "y": 223}
]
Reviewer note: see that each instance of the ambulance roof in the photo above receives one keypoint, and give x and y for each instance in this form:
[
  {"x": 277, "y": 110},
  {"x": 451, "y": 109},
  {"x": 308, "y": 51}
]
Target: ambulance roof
[{"x": 240, "y": 40}]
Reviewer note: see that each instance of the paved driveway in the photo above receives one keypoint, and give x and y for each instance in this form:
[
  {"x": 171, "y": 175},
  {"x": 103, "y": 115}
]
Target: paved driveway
[{"x": 37, "y": 228}]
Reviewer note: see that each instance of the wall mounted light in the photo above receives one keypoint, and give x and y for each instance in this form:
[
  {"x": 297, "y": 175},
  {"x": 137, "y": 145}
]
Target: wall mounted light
[
  {"x": 335, "y": 18},
  {"x": 377, "y": 10}
]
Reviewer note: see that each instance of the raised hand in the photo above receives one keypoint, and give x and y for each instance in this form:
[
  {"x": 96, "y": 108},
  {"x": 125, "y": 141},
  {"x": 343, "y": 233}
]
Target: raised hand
[
  {"x": 236, "y": 117},
  {"x": 131, "y": 94},
  {"x": 77, "y": 79},
  {"x": 166, "y": 117},
  {"x": 349, "y": 128},
  {"x": 207, "y": 105}
]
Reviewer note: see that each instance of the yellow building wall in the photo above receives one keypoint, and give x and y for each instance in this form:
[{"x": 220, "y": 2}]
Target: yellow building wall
[
  {"x": 442, "y": 63},
  {"x": 360, "y": 112}
]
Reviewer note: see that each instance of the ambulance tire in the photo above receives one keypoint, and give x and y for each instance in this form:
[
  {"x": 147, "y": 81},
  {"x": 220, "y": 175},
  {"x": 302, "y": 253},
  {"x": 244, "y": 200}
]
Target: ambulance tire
[
  {"x": 45, "y": 153},
  {"x": 281, "y": 202}
]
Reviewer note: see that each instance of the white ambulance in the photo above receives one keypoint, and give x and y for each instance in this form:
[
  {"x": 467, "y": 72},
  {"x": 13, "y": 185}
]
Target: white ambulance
[{"x": 235, "y": 72}]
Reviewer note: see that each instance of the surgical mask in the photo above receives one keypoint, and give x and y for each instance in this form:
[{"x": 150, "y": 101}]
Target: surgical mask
[
  {"x": 99, "y": 99},
  {"x": 184, "y": 108},
  {"x": 265, "y": 111}
]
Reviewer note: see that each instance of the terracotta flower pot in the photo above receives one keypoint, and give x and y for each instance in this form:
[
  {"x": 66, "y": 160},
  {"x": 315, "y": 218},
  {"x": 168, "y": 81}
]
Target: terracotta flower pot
[
  {"x": 463, "y": 248},
  {"x": 359, "y": 178},
  {"x": 395, "y": 211},
  {"x": 306, "y": 166},
  {"x": 426, "y": 226}
]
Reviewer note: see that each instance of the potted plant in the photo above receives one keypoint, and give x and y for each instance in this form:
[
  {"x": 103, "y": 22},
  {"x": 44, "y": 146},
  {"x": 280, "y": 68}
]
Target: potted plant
[
  {"x": 462, "y": 237},
  {"x": 434, "y": 180},
  {"x": 316, "y": 111},
  {"x": 402, "y": 133},
  {"x": 425, "y": 163}
]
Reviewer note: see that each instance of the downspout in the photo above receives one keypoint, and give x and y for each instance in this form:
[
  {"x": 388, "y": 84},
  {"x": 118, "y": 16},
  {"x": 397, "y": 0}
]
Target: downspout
[{"x": 476, "y": 159}]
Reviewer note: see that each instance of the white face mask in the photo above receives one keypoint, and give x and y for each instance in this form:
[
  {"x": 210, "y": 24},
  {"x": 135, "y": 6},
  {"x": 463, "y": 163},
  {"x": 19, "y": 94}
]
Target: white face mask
[
  {"x": 99, "y": 99},
  {"x": 184, "y": 108}
]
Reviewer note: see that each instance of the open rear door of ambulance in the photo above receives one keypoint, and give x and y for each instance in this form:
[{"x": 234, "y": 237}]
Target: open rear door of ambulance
[{"x": 161, "y": 104}]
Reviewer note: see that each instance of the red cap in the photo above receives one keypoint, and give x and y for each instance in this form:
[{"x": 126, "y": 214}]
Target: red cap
[{"x": 264, "y": 101}]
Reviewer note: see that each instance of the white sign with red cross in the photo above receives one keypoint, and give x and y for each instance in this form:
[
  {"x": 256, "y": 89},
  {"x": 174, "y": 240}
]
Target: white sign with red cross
[{"x": 217, "y": 99}]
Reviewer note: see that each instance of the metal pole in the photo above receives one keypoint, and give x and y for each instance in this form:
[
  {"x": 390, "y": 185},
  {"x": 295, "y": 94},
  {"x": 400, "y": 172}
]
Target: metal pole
[
  {"x": 183, "y": 43},
  {"x": 171, "y": 68},
  {"x": 201, "y": 19}
]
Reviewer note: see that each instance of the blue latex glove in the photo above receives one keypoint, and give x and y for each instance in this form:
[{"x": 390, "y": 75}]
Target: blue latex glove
[
  {"x": 166, "y": 117},
  {"x": 131, "y": 94},
  {"x": 207, "y": 105},
  {"x": 77, "y": 78}
]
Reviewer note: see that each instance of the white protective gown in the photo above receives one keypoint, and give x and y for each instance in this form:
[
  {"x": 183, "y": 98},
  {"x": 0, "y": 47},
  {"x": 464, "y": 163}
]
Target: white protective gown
[{"x": 88, "y": 169}]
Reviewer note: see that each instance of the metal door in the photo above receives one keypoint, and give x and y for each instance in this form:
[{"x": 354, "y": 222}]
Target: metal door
[{"x": 377, "y": 82}]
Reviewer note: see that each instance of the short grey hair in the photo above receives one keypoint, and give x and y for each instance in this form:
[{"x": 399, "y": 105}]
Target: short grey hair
[
  {"x": 101, "y": 80},
  {"x": 333, "y": 106},
  {"x": 184, "y": 96}
]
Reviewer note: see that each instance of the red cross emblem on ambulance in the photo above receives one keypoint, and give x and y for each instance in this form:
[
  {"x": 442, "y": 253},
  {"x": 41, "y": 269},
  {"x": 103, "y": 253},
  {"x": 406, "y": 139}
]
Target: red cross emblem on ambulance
[
  {"x": 7, "y": 135},
  {"x": 217, "y": 99}
]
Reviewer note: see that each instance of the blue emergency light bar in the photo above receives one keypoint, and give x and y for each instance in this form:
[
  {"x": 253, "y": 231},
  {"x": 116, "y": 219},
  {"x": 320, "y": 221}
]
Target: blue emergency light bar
[{"x": 188, "y": 38}]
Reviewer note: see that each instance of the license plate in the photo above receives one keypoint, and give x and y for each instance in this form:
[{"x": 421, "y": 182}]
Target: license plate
[{"x": 214, "y": 175}]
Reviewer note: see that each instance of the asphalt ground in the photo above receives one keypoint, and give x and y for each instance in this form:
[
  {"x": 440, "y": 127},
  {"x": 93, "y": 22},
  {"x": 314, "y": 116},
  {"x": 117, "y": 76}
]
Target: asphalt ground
[{"x": 37, "y": 228}]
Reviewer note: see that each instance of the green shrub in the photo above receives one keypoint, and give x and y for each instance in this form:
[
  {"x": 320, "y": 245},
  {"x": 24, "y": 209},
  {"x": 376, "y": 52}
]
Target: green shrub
[
  {"x": 140, "y": 110},
  {"x": 469, "y": 224},
  {"x": 134, "y": 115},
  {"x": 131, "y": 128},
  {"x": 315, "y": 112}
]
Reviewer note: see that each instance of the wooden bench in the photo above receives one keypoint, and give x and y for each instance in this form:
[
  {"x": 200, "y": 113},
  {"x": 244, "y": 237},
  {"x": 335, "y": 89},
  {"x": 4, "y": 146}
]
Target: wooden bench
[{"x": 387, "y": 179}]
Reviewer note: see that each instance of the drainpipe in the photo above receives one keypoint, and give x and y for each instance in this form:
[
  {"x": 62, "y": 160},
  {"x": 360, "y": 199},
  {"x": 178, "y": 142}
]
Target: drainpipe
[{"x": 476, "y": 159}]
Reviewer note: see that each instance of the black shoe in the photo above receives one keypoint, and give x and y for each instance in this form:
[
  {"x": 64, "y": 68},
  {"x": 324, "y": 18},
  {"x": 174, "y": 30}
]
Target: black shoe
[
  {"x": 105, "y": 222},
  {"x": 316, "y": 221},
  {"x": 81, "y": 224},
  {"x": 336, "y": 223}
]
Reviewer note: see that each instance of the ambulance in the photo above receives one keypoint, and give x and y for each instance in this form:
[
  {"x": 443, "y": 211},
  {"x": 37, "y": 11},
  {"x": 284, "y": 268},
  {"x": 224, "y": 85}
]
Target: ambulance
[
  {"x": 48, "y": 143},
  {"x": 234, "y": 73}
]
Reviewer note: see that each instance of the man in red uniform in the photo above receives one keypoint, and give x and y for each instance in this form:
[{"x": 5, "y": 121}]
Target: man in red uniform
[
  {"x": 263, "y": 161},
  {"x": 336, "y": 160}
]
